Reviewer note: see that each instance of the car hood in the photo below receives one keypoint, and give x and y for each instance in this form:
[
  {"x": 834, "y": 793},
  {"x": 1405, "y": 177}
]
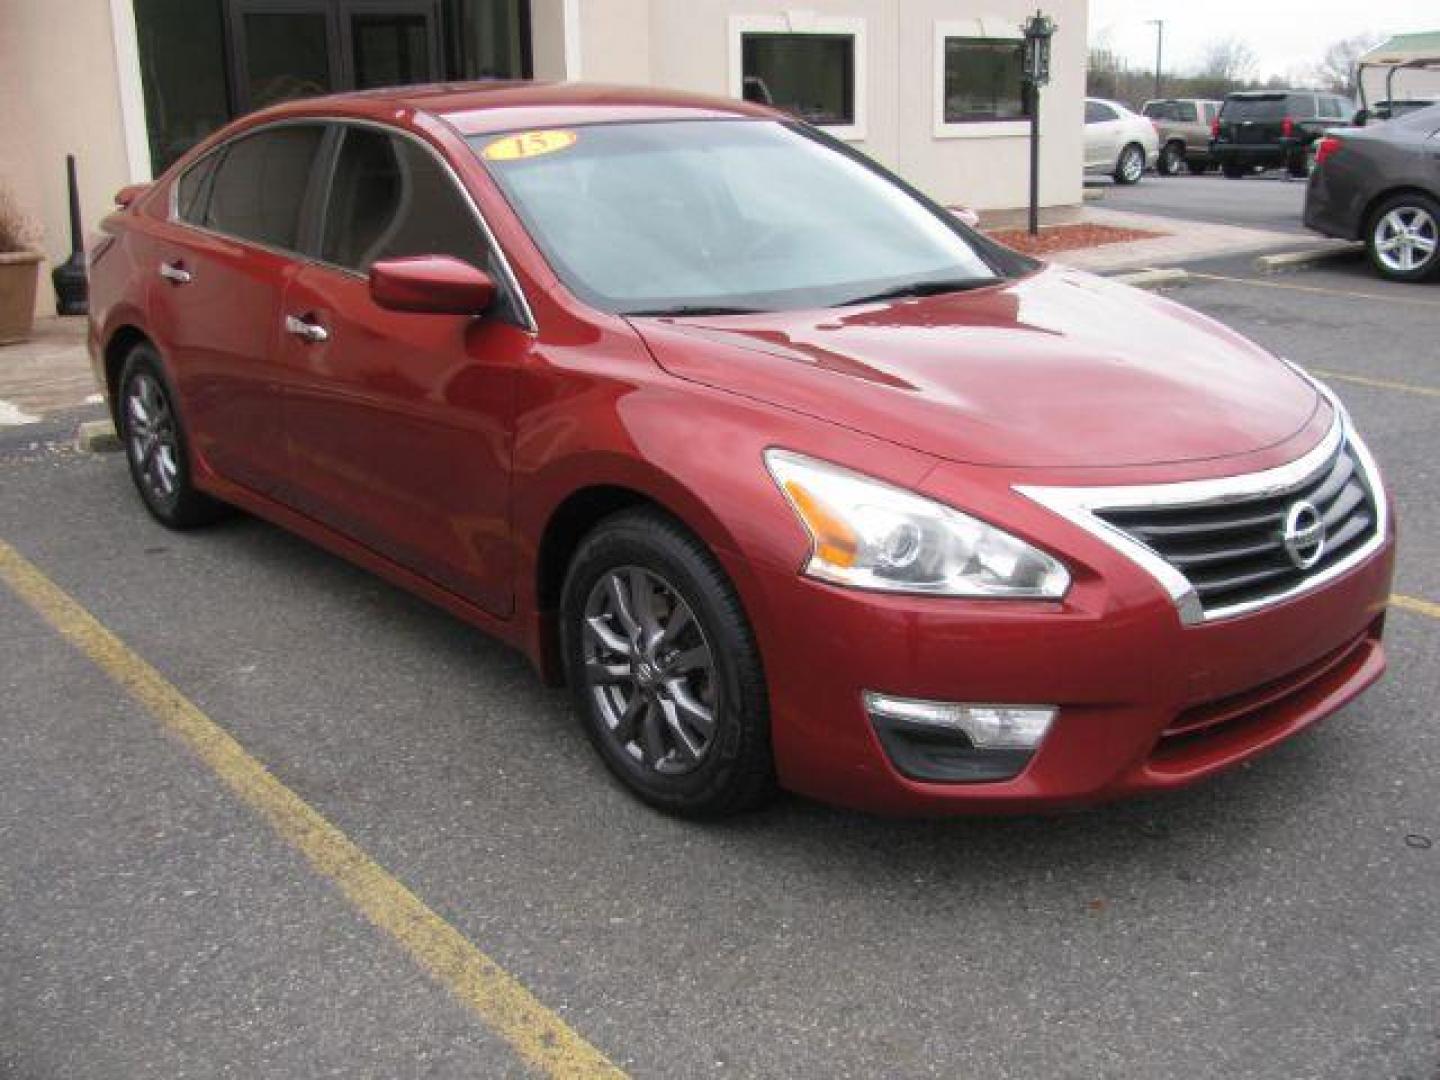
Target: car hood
[{"x": 1057, "y": 369}]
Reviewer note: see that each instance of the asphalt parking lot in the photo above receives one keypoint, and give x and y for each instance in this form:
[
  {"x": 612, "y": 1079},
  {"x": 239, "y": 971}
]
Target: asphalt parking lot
[
  {"x": 164, "y": 911},
  {"x": 1268, "y": 200}
]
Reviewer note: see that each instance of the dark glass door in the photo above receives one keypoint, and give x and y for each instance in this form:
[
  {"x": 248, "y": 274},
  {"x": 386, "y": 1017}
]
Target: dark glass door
[{"x": 284, "y": 49}]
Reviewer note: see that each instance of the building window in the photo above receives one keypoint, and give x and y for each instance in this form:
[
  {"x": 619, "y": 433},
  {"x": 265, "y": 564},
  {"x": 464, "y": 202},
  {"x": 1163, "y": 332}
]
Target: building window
[
  {"x": 983, "y": 80},
  {"x": 979, "y": 87},
  {"x": 807, "y": 65},
  {"x": 809, "y": 75}
]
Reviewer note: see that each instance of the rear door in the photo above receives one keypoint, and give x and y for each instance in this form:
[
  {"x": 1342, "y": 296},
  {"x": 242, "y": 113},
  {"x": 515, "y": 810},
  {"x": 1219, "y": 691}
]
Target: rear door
[
  {"x": 399, "y": 424},
  {"x": 221, "y": 270},
  {"x": 1102, "y": 135}
]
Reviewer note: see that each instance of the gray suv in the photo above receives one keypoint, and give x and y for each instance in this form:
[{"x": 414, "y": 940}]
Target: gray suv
[{"x": 1184, "y": 126}]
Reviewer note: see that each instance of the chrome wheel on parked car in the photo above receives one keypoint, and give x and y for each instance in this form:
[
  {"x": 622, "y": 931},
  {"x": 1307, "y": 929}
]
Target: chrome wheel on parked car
[
  {"x": 1131, "y": 166},
  {"x": 650, "y": 670},
  {"x": 1405, "y": 237},
  {"x": 1172, "y": 159}
]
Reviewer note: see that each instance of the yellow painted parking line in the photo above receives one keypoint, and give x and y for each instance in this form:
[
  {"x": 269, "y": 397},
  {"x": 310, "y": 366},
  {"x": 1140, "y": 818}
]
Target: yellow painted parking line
[
  {"x": 1420, "y": 607},
  {"x": 540, "y": 1037},
  {"x": 1381, "y": 384},
  {"x": 1384, "y": 298}
]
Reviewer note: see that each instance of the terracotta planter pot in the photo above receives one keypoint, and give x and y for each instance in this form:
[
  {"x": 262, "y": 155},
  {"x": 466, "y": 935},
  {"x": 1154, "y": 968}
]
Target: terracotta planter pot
[{"x": 19, "y": 275}]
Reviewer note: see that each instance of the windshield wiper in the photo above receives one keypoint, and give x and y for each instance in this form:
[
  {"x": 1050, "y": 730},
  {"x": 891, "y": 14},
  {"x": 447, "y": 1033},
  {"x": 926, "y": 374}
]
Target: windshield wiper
[
  {"x": 920, "y": 288},
  {"x": 681, "y": 311}
]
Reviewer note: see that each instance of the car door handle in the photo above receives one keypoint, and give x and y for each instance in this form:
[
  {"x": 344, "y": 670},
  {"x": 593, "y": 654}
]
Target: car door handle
[
  {"x": 305, "y": 329},
  {"x": 176, "y": 272}
]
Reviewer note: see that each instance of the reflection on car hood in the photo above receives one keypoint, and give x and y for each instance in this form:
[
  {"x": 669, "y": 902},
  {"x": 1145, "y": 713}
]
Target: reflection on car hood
[{"x": 1058, "y": 369}]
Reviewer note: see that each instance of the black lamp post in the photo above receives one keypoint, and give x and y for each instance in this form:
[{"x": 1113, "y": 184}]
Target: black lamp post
[
  {"x": 72, "y": 287},
  {"x": 1039, "y": 29}
]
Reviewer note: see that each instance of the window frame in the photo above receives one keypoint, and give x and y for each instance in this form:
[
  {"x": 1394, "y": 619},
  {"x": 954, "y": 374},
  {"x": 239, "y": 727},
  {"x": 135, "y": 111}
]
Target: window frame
[
  {"x": 987, "y": 28},
  {"x": 802, "y": 24},
  {"x": 317, "y": 191}
]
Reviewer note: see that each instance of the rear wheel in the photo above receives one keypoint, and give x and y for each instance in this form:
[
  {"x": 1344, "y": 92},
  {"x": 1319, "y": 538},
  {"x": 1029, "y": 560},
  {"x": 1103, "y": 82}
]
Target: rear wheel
[
  {"x": 1298, "y": 165},
  {"x": 1198, "y": 168},
  {"x": 1234, "y": 172},
  {"x": 1403, "y": 239},
  {"x": 1130, "y": 166},
  {"x": 664, "y": 668},
  {"x": 1172, "y": 159},
  {"x": 156, "y": 445}
]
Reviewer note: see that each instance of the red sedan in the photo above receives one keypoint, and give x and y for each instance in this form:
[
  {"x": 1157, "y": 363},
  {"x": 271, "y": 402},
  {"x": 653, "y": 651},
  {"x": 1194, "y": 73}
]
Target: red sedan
[{"x": 793, "y": 477}]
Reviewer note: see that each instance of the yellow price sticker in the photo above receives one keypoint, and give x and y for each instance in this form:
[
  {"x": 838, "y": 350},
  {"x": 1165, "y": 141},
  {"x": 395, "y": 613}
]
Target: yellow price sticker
[{"x": 528, "y": 144}]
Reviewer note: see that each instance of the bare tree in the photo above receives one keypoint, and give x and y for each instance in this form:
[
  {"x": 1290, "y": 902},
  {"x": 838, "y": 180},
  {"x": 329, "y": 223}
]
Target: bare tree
[
  {"x": 1336, "y": 69},
  {"x": 1228, "y": 60}
]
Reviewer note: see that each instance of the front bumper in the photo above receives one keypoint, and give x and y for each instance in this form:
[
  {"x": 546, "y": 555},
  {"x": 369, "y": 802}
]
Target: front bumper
[{"x": 1145, "y": 702}]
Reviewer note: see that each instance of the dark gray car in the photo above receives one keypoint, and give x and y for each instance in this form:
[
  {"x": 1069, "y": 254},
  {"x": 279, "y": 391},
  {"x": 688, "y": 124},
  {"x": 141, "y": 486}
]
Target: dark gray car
[{"x": 1381, "y": 184}]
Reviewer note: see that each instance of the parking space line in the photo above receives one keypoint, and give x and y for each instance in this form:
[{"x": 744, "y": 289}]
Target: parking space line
[
  {"x": 1319, "y": 289},
  {"x": 1381, "y": 384},
  {"x": 535, "y": 1033},
  {"x": 1411, "y": 603}
]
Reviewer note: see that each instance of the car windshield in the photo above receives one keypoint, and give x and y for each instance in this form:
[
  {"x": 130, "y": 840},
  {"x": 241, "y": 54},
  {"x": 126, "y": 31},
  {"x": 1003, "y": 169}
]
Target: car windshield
[{"x": 716, "y": 216}]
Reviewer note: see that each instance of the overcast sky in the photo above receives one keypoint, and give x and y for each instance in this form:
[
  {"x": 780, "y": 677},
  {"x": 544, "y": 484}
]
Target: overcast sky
[{"x": 1285, "y": 34}]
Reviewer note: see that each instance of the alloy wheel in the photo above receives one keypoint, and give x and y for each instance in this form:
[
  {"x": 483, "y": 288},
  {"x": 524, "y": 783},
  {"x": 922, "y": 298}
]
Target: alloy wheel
[
  {"x": 1132, "y": 165},
  {"x": 1406, "y": 239},
  {"x": 650, "y": 671},
  {"x": 151, "y": 437}
]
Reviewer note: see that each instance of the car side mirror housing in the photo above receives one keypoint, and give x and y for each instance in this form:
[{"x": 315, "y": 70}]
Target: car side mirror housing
[
  {"x": 437, "y": 284},
  {"x": 1362, "y": 117},
  {"x": 128, "y": 194}
]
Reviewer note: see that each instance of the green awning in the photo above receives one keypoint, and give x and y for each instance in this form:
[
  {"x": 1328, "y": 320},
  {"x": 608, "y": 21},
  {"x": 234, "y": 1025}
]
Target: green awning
[{"x": 1404, "y": 49}]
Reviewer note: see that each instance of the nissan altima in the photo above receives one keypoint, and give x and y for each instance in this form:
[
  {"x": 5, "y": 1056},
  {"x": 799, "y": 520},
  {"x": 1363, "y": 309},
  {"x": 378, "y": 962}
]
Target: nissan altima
[{"x": 795, "y": 479}]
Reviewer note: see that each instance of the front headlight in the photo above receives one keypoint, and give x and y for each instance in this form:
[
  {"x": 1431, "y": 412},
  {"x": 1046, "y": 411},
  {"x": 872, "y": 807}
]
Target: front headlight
[{"x": 870, "y": 535}]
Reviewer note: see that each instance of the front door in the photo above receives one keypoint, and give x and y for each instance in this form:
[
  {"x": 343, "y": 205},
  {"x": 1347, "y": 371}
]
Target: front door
[
  {"x": 399, "y": 425},
  {"x": 285, "y": 49}
]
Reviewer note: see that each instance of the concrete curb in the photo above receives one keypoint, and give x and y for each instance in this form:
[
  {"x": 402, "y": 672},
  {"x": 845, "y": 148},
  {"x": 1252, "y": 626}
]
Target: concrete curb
[
  {"x": 1152, "y": 278},
  {"x": 97, "y": 437},
  {"x": 1285, "y": 260}
]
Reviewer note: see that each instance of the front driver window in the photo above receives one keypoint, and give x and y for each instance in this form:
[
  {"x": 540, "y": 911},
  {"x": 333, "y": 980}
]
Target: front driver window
[{"x": 391, "y": 198}]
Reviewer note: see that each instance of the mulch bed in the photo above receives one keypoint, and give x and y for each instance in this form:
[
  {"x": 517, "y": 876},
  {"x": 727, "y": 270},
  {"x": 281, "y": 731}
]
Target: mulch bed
[{"x": 1055, "y": 238}]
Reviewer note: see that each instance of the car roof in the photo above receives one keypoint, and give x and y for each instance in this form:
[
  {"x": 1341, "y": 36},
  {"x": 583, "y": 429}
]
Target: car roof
[{"x": 477, "y": 108}]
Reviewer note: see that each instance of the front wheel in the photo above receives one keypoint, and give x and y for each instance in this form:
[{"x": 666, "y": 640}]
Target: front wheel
[
  {"x": 1403, "y": 240},
  {"x": 1130, "y": 166},
  {"x": 664, "y": 668},
  {"x": 156, "y": 446}
]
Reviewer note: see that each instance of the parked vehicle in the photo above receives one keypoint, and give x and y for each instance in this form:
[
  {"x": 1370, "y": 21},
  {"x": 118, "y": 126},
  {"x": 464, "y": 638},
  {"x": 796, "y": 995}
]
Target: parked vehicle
[
  {"x": 1184, "y": 127},
  {"x": 1118, "y": 142},
  {"x": 1274, "y": 129},
  {"x": 790, "y": 474},
  {"x": 1381, "y": 184},
  {"x": 1399, "y": 75}
]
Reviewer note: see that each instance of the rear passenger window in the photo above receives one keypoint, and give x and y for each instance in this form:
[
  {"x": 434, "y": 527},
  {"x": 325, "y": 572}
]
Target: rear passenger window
[
  {"x": 391, "y": 198},
  {"x": 258, "y": 190},
  {"x": 1185, "y": 112},
  {"x": 192, "y": 192}
]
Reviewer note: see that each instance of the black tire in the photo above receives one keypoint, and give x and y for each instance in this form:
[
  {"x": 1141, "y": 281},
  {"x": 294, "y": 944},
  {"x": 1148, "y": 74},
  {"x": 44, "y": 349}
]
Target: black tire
[
  {"x": 735, "y": 770},
  {"x": 1298, "y": 165},
  {"x": 1412, "y": 210},
  {"x": 1235, "y": 172},
  {"x": 1198, "y": 168},
  {"x": 1172, "y": 159},
  {"x": 157, "y": 450},
  {"x": 1126, "y": 171}
]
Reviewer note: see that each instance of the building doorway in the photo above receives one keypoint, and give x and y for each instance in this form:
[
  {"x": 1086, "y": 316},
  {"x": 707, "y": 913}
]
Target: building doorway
[
  {"x": 283, "y": 49},
  {"x": 204, "y": 62}
]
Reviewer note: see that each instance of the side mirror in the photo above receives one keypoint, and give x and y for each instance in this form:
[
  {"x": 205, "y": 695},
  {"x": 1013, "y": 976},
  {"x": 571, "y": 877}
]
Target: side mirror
[
  {"x": 129, "y": 193},
  {"x": 438, "y": 284},
  {"x": 1361, "y": 118}
]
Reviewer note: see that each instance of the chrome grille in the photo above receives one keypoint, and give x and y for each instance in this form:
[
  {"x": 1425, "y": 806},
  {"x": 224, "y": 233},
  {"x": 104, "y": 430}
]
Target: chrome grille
[{"x": 1234, "y": 552}]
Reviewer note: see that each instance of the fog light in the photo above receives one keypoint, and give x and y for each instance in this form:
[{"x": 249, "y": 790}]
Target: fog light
[{"x": 988, "y": 727}]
